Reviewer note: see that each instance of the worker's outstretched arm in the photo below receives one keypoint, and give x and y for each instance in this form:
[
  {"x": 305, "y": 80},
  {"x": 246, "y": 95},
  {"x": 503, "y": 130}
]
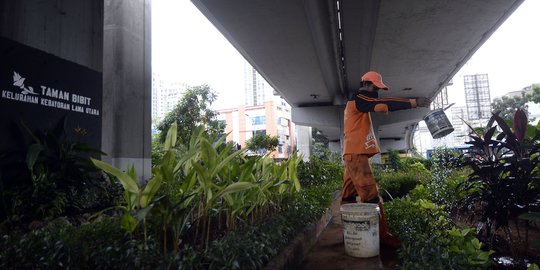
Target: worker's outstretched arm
[{"x": 367, "y": 102}]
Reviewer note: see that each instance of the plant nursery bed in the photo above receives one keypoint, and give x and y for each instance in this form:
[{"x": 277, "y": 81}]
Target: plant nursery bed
[
  {"x": 292, "y": 256},
  {"x": 507, "y": 255}
]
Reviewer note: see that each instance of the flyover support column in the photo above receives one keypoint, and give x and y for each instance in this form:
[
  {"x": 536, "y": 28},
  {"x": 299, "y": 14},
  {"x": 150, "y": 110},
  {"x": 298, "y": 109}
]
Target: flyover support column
[
  {"x": 335, "y": 147},
  {"x": 303, "y": 140},
  {"x": 126, "y": 132}
]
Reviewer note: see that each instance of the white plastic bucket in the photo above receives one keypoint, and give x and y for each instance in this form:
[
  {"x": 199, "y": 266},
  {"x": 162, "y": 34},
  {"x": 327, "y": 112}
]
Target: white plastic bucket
[
  {"x": 438, "y": 124},
  {"x": 361, "y": 229}
]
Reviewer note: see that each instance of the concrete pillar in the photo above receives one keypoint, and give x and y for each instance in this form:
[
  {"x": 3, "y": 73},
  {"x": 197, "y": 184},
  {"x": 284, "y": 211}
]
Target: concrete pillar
[
  {"x": 127, "y": 85},
  {"x": 71, "y": 30},
  {"x": 335, "y": 147},
  {"x": 303, "y": 141}
]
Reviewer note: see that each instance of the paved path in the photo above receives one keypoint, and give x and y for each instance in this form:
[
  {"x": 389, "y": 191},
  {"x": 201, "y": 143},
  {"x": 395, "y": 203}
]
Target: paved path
[{"x": 329, "y": 252}]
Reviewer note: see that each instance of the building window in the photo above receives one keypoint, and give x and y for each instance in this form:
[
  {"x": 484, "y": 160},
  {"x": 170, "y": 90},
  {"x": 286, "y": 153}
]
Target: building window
[
  {"x": 259, "y": 120},
  {"x": 280, "y": 149},
  {"x": 282, "y": 121},
  {"x": 262, "y": 132}
]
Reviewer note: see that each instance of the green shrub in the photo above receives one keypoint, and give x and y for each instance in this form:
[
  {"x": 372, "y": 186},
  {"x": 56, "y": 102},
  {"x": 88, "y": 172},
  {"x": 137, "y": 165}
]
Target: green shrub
[
  {"x": 420, "y": 192},
  {"x": 505, "y": 180},
  {"x": 253, "y": 247},
  {"x": 429, "y": 241},
  {"x": 394, "y": 162},
  {"x": 101, "y": 245},
  {"x": 51, "y": 176},
  {"x": 210, "y": 208},
  {"x": 410, "y": 219},
  {"x": 319, "y": 172},
  {"x": 450, "y": 249},
  {"x": 105, "y": 245},
  {"x": 446, "y": 176},
  {"x": 398, "y": 184},
  {"x": 409, "y": 161}
]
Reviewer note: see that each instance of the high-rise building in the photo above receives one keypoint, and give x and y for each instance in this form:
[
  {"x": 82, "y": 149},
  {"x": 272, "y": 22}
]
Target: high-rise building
[
  {"x": 461, "y": 130},
  {"x": 257, "y": 90},
  {"x": 165, "y": 95}
]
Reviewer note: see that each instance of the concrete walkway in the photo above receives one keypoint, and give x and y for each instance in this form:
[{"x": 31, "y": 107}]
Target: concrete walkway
[{"x": 329, "y": 252}]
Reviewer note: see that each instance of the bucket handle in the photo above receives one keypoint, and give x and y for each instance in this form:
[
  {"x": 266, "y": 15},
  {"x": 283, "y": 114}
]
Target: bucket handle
[{"x": 449, "y": 106}]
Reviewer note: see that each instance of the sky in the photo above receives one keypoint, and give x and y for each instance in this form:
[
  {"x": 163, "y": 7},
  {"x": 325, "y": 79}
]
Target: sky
[
  {"x": 510, "y": 57},
  {"x": 187, "y": 48}
]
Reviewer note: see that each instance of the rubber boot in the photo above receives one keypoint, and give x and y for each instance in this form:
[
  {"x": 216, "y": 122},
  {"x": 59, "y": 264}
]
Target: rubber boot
[{"x": 387, "y": 239}]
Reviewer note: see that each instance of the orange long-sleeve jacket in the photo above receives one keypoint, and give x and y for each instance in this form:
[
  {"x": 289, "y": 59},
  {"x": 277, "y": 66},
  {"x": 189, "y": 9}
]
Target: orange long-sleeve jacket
[{"x": 359, "y": 137}]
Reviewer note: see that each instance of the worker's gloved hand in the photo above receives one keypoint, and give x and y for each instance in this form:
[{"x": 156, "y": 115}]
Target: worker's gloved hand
[{"x": 423, "y": 102}]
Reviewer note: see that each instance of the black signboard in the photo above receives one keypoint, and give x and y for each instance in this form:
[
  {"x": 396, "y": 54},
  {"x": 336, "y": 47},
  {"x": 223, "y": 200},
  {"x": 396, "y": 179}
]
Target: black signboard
[{"x": 40, "y": 89}]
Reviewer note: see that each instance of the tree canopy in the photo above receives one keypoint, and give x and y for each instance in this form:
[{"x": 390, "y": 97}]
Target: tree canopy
[
  {"x": 508, "y": 106},
  {"x": 320, "y": 147},
  {"x": 262, "y": 143},
  {"x": 535, "y": 95},
  {"x": 194, "y": 109}
]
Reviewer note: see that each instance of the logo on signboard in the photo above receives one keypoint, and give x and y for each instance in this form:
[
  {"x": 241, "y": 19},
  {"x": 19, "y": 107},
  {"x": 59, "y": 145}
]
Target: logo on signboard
[{"x": 18, "y": 80}]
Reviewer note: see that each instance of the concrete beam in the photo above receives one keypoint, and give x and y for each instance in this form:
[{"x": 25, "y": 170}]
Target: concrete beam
[{"x": 329, "y": 119}]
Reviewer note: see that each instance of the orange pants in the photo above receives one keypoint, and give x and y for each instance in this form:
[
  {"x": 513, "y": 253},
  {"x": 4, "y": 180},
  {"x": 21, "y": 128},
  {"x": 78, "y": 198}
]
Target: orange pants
[{"x": 358, "y": 180}]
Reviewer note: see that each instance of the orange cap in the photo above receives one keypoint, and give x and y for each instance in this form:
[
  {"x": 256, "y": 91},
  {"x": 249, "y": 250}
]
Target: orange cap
[{"x": 375, "y": 78}]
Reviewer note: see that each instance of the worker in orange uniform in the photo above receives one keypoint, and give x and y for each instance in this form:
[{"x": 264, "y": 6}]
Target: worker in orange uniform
[{"x": 360, "y": 144}]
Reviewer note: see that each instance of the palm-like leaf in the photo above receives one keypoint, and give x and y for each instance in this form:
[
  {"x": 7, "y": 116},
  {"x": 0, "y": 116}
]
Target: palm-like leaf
[{"x": 128, "y": 182}]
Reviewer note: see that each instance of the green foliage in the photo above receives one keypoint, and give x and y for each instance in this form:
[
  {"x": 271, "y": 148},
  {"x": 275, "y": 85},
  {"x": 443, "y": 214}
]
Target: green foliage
[
  {"x": 507, "y": 106},
  {"x": 317, "y": 171},
  {"x": 398, "y": 184},
  {"x": 410, "y": 161},
  {"x": 445, "y": 177},
  {"x": 254, "y": 246},
  {"x": 420, "y": 192},
  {"x": 139, "y": 200},
  {"x": 394, "y": 161},
  {"x": 51, "y": 177},
  {"x": 504, "y": 182},
  {"x": 321, "y": 151},
  {"x": 411, "y": 220},
  {"x": 450, "y": 249},
  {"x": 320, "y": 148},
  {"x": 262, "y": 143},
  {"x": 534, "y": 217},
  {"x": 103, "y": 245},
  {"x": 401, "y": 175},
  {"x": 429, "y": 241},
  {"x": 317, "y": 136},
  {"x": 535, "y": 95},
  {"x": 186, "y": 208},
  {"x": 193, "y": 110}
]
